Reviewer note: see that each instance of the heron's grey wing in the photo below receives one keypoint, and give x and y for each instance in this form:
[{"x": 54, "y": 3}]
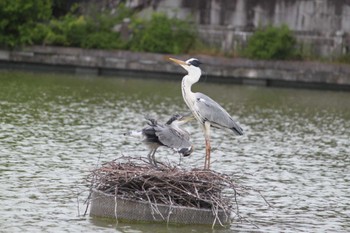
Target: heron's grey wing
[
  {"x": 211, "y": 111},
  {"x": 151, "y": 121},
  {"x": 172, "y": 138}
]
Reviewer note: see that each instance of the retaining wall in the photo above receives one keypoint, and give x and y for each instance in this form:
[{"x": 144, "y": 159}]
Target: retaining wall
[{"x": 149, "y": 65}]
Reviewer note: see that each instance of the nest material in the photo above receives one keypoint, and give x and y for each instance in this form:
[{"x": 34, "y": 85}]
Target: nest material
[{"x": 135, "y": 179}]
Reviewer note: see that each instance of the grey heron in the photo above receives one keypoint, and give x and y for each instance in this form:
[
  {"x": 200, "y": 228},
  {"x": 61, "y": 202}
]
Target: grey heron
[
  {"x": 205, "y": 110},
  {"x": 169, "y": 134}
]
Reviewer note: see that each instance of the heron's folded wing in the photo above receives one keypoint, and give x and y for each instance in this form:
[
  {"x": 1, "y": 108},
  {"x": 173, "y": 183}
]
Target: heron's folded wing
[
  {"x": 209, "y": 110},
  {"x": 172, "y": 138}
]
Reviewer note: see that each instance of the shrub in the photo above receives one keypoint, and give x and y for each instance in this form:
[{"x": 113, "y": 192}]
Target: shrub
[
  {"x": 68, "y": 30},
  {"x": 345, "y": 58},
  {"x": 103, "y": 40},
  {"x": 85, "y": 32},
  {"x": 271, "y": 43},
  {"x": 18, "y": 18},
  {"x": 99, "y": 30},
  {"x": 29, "y": 22},
  {"x": 162, "y": 34}
]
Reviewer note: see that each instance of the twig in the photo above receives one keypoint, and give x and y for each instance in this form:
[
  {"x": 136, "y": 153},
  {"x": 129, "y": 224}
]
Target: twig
[{"x": 135, "y": 179}]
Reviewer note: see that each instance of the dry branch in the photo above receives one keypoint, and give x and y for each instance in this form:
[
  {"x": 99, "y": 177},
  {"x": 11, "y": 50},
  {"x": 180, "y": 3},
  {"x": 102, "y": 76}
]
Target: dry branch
[{"x": 135, "y": 179}]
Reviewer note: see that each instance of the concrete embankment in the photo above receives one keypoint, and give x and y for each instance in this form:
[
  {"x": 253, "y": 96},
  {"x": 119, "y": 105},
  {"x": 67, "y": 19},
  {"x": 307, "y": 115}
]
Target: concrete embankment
[{"x": 149, "y": 65}]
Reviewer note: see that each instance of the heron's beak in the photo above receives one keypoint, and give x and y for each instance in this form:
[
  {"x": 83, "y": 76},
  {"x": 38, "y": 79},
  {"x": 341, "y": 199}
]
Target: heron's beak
[
  {"x": 186, "y": 118},
  {"x": 179, "y": 62}
]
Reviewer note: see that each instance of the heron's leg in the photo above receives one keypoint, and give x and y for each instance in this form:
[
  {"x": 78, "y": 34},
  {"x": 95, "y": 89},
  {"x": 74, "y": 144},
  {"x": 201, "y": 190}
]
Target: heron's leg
[
  {"x": 180, "y": 160},
  {"x": 207, "y": 144},
  {"x": 150, "y": 156},
  {"x": 153, "y": 157}
]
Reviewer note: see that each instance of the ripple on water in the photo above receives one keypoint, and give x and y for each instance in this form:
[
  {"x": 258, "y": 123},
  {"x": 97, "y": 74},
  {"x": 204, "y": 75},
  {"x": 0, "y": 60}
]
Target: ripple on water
[{"x": 56, "y": 129}]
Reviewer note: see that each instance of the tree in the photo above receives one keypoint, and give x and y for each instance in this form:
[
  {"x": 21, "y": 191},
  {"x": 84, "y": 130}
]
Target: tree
[{"x": 18, "y": 19}]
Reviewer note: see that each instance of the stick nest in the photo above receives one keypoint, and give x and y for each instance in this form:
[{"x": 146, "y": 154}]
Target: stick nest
[{"x": 136, "y": 179}]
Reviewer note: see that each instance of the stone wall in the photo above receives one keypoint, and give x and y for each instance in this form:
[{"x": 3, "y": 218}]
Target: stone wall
[
  {"x": 314, "y": 16},
  {"x": 149, "y": 65},
  {"x": 321, "y": 26}
]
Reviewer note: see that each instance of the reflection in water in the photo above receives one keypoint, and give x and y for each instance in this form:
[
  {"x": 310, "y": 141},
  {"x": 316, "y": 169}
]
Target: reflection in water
[{"x": 56, "y": 128}]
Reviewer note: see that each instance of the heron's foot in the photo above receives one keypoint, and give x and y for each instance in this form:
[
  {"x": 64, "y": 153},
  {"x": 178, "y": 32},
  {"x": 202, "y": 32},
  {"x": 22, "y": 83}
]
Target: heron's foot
[{"x": 155, "y": 165}]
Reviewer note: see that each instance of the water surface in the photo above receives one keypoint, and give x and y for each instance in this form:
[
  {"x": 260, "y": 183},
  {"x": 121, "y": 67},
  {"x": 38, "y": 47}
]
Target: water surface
[{"x": 56, "y": 128}]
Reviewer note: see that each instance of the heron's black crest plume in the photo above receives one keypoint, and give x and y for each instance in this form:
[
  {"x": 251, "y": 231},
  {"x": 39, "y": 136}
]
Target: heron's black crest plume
[{"x": 195, "y": 62}]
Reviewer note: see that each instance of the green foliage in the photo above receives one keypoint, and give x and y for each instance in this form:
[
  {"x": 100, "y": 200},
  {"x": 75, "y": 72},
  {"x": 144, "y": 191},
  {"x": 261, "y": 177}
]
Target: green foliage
[
  {"x": 68, "y": 30},
  {"x": 102, "y": 40},
  {"x": 39, "y": 32},
  {"x": 85, "y": 32},
  {"x": 345, "y": 58},
  {"x": 28, "y": 22},
  {"x": 162, "y": 34},
  {"x": 271, "y": 43},
  {"x": 18, "y": 18}
]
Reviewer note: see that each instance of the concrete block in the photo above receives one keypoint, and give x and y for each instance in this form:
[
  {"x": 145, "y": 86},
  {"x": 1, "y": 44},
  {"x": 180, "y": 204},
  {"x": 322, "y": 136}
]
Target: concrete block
[{"x": 4, "y": 55}]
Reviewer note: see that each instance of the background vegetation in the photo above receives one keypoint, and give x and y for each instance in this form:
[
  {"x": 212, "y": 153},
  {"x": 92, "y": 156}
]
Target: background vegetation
[
  {"x": 33, "y": 22},
  {"x": 84, "y": 31},
  {"x": 272, "y": 43},
  {"x": 163, "y": 35},
  {"x": 18, "y": 18},
  {"x": 62, "y": 23}
]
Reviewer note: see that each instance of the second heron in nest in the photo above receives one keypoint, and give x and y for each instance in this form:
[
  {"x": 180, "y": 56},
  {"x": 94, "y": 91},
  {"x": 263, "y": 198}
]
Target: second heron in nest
[{"x": 170, "y": 135}]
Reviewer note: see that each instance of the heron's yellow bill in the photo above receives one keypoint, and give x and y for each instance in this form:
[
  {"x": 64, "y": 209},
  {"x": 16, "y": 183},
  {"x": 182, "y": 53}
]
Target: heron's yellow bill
[
  {"x": 187, "y": 118},
  {"x": 177, "y": 61}
]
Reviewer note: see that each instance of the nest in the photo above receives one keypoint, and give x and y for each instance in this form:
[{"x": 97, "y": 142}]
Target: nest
[{"x": 135, "y": 179}]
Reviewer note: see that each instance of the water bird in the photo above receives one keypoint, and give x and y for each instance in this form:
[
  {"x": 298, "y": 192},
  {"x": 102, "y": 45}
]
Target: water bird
[
  {"x": 170, "y": 135},
  {"x": 207, "y": 112}
]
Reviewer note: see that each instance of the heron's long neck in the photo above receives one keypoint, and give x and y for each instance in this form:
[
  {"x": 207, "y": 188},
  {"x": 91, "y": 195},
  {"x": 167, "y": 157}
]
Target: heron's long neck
[
  {"x": 192, "y": 77},
  {"x": 187, "y": 94}
]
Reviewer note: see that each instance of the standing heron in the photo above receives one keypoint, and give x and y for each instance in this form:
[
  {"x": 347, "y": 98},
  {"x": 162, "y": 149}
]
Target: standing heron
[
  {"x": 169, "y": 135},
  {"x": 205, "y": 110}
]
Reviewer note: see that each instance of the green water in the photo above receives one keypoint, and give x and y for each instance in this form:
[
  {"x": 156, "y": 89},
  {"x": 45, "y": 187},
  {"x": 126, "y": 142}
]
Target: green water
[{"x": 56, "y": 128}]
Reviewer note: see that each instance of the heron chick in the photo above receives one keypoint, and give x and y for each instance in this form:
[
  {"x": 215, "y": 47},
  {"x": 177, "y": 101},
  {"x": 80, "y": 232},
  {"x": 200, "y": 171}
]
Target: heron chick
[
  {"x": 205, "y": 109},
  {"x": 170, "y": 135}
]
